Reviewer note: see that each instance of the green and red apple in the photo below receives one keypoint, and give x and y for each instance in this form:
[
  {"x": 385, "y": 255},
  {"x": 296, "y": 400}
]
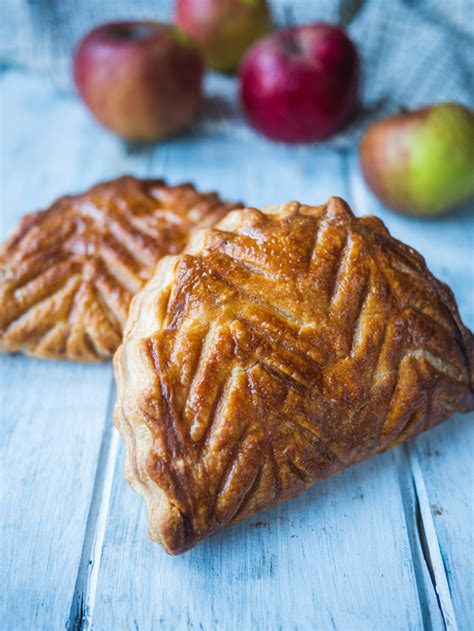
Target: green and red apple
[
  {"x": 142, "y": 80},
  {"x": 421, "y": 162},
  {"x": 224, "y": 29}
]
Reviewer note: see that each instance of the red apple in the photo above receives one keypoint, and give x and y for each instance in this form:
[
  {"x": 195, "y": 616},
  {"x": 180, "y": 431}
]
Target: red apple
[
  {"x": 300, "y": 84},
  {"x": 142, "y": 80},
  {"x": 224, "y": 29}
]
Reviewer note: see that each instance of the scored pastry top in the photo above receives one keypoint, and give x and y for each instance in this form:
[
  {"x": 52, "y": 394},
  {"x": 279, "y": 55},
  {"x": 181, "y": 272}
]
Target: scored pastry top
[
  {"x": 68, "y": 273},
  {"x": 279, "y": 348}
]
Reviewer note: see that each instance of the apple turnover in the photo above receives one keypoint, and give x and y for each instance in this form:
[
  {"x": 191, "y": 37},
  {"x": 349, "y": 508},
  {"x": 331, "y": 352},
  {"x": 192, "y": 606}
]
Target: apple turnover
[
  {"x": 279, "y": 348},
  {"x": 68, "y": 273}
]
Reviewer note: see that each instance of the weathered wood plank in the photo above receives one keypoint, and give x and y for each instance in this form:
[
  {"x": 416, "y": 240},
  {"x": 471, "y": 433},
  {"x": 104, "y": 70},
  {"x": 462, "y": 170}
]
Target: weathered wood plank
[
  {"x": 345, "y": 555},
  {"x": 338, "y": 557},
  {"x": 53, "y": 414},
  {"x": 334, "y": 558},
  {"x": 444, "y": 456},
  {"x": 430, "y": 543},
  {"x": 144, "y": 162},
  {"x": 441, "y": 459},
  {"x": 429, "y": 603},
  {"x": 52, "y": 421}
]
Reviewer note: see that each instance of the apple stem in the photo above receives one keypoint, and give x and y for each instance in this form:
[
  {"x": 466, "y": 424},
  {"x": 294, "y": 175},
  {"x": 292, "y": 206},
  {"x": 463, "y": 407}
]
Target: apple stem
[
  {"x": 289, "y": 21},
  {"x": 289, "y": 16},
  {"x": 134, "y": 30},
  {"x": 402, "y": 109}
]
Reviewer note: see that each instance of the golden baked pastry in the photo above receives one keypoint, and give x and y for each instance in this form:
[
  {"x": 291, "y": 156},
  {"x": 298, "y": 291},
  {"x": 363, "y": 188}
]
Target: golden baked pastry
[
  {"x": 68, "y": 273},
  {"x": 279, "y": 348}
]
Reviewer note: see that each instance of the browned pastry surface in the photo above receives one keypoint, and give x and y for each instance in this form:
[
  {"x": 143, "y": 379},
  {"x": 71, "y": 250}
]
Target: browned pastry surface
[
  {"x": 68, "y": 274},
  {"x": 280, "y": 348}
]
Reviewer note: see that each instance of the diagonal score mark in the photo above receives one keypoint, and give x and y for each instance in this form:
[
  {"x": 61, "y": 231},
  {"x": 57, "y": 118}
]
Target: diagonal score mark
[
  {"x": 274, "y": 308},
  {"x": 357, "y": 326},
  {"x": 200, "y": 432},
  {"x": 440, "y": 365},
  {"x": 36, "y": 271},
  {"x": 340, "y": 270},
  {"x": 229, "y": 469},
  {"x": 249, "y": 493},
  {"x": 64, "y": 288},
  {"x": 248, "y": 266},
  {"x": 125, "y": 280},
  {"x": 207, "y": 342},
  {"x": 278, "y": 341},
  {"x": 299, "y": 472},
  {"x": 116, "y": 250},
  {"x": 107, "y": 308},
  {"x": 312, "y": 253},
  {"x": 311, "y": 431},
  {"x": 429, "y": 320},
  {"x": 322, "y": 228},
  {"x": 137, "y": 245}
]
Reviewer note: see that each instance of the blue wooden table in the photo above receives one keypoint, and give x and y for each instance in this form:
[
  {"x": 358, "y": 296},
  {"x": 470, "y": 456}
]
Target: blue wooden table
[{"x": 387, "y": 544}]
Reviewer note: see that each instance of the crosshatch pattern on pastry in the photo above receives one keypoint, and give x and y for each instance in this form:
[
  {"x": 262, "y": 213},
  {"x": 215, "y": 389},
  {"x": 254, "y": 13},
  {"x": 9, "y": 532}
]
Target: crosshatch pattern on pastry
[
  {"x": 68, "y": 273},
  {"x": 278, "y": 349}
]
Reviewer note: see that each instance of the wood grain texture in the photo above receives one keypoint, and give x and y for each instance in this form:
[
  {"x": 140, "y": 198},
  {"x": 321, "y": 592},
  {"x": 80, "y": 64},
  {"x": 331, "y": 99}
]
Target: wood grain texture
[
  {"x": 311, "y": 563},
  {"x": 348, "y": 555},
  {"x": 50, "y": 444},
  {"x": 54, "y": 415},
  {"x": 443, "y": 456}
]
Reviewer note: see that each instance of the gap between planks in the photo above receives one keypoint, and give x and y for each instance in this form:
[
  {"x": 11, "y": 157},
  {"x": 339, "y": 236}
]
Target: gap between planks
[
  {"x": 424, "y": 525},
  {"x": 429, "y": 541},
  {"x": 422, "y": 533},
  {"x": 83, "y": 602},
  {"x": 82, "y": 607}
]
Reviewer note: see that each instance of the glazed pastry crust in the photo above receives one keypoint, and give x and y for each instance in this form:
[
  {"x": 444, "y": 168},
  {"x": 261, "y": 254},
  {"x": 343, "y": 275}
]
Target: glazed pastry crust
[
  {"x": 68, "y": 273},
  {"x": 279, "y": 348}
]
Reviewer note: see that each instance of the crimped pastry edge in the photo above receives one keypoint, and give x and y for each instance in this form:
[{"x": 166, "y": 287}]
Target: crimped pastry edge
[{"x": 165, "y": 522}]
